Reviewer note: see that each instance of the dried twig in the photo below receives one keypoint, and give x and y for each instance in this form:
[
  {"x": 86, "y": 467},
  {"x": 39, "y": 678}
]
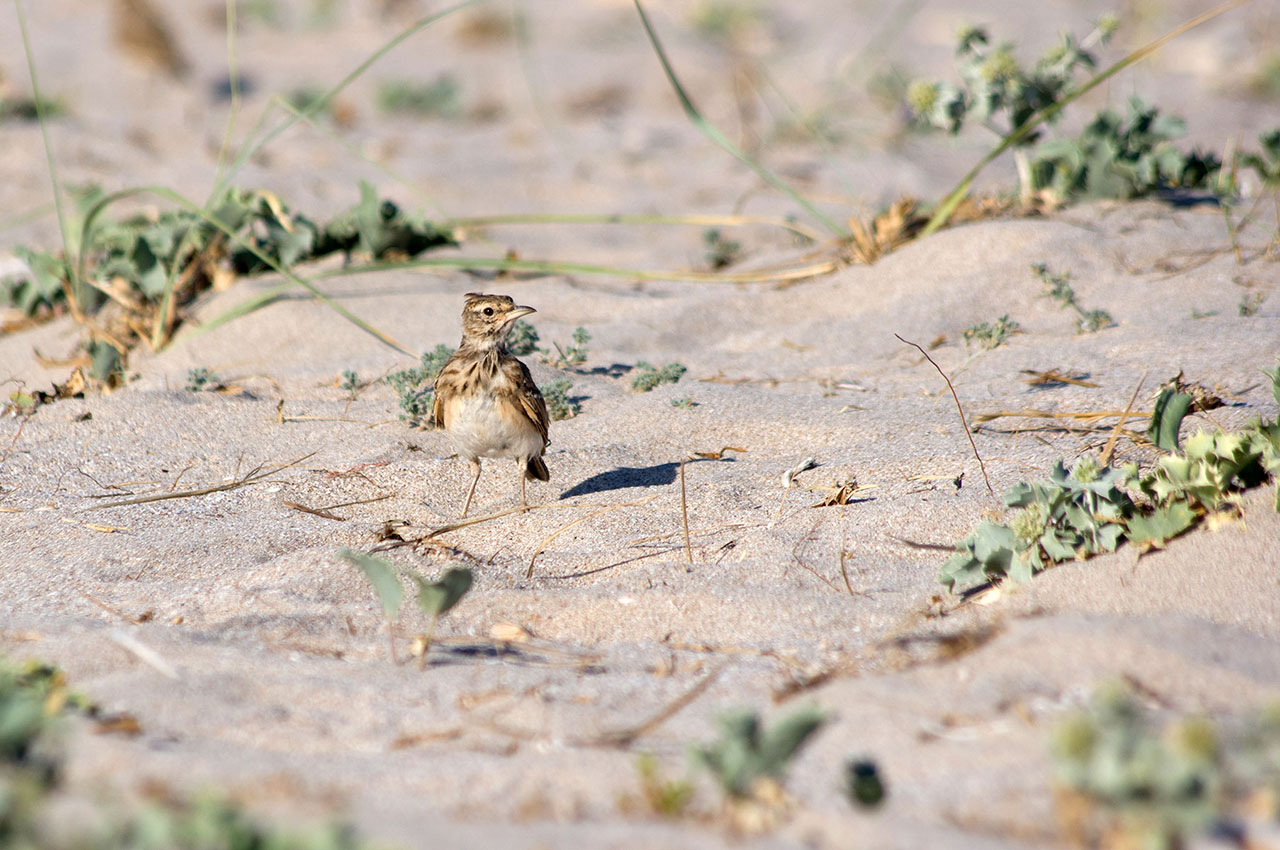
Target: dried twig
[
  {"x": 626, "y": 736},
  {"x": 1115, "y": 432},
  {"x": 967, "y": 433},
  {"x": 684, "y": 513},
  {"x": 252, "y": 477},
  {"x": 562, "y": 529}
]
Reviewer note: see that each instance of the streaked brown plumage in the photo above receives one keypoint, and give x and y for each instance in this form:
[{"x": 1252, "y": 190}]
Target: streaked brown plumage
[{"x": 487, "y": 400}]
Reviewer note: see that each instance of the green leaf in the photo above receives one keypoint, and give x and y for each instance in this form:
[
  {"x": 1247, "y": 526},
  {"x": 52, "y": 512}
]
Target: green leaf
[
  {"x": 437, "y": 597},
  {"x": 382, "y": 576},
  {"x": 1170, "y": 409},
  {"x": 1274, "y": 374},
  {"x": 1165, "y": 522},
  {"x": 780, "y": 743}
]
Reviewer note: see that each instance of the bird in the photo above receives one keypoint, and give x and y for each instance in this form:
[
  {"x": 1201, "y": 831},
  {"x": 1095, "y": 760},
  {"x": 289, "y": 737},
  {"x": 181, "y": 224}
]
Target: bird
[{"x": 486, "y": 399}]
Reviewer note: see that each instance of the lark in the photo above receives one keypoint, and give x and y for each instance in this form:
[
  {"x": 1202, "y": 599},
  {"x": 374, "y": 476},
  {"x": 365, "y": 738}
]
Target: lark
[{"x": 487, "y": 400}]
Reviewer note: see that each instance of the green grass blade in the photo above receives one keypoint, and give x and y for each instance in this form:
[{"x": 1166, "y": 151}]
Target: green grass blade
[
  {"x": 39, "y": 100},
  {"x": 233, "y": 76},
  {"x": 323, "y": 100},
  {"x": 244, "y": 308},
  {"x": 549, "y": 267},
  {"x": 630, "y": 218},
  {"x": 713, "y": 133},
  {"x": 957, "y": 195}
]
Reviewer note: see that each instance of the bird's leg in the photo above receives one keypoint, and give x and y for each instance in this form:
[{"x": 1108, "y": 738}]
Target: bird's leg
[
  {"x": 471, "y": 491},
  {"x": 520, "y": 465}
]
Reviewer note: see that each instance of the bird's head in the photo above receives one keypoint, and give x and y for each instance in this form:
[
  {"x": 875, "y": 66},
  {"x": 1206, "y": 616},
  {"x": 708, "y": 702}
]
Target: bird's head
[{"x": 486, "y": 319}]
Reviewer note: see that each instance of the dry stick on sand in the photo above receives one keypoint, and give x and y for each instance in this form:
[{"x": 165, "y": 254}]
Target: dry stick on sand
[
  {"x": 253, "y": 476},
  {"x": 1115, "y": 432},
  {"x": 967, "y": 433},
  {"x": 684, "y": 513},
  {"x": 562, "y": 529}
]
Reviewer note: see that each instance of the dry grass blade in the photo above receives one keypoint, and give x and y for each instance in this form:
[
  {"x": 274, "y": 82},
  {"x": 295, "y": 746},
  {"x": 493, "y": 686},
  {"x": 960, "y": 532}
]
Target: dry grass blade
[
  {"x": 252, "y": 477},
  {"x": 1087, "y": 416},
  {"x": 562, "y": 529},
  {"x": 627, "y": 736},
  {"x": 684, "y": 514},
  {"x": 320, "y": 512},
  {"x": 967, "y": 432},
  {"x": 463, "y": 523},
  {"x": 1115, "y": 432},
  {"x": 1056, "y": 376}
]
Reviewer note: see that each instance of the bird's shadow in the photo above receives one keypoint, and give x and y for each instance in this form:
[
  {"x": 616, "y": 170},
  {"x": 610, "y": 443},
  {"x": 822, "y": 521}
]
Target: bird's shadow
[{"x": 624, "y": 477}]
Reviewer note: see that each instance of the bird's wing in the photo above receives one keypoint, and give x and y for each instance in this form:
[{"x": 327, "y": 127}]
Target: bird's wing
[
  {"x": 527, "y": 396},
  {"x": 446, "y": 386}
]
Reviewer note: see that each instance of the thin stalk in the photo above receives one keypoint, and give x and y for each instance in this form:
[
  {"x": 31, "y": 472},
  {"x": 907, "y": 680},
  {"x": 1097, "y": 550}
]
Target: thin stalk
[
  {"x": 716, "y": 136},
  {"x": 323, "y": 100},
  {"x": 631, "y": 218},
  {"x": 74, "y": 282},
  {"x": 957, "y": 195}
]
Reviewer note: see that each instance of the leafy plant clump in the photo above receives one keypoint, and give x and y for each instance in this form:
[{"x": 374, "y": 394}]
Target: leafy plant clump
[
  {"x": 200, "y": 379},
  {"x": 1093, "y": 508},
  {"x": 439, "y": 98},
  {"x": 720, "y": 251},
  {"x": 415, "y": 387},
  {"x": 989, "y": 335},
  {"x": 560, "y": 405},
  {"x": 648, "y": 376},
  {"x": 747, "y": 754},
  {"x": 434, "y": 598},
  {"x": 574, "y": 354},
  {"x": 1058, "y": 287},
  {"x": 1127, "y": 782},
  {"x": 132, "y": 276},
  {"x": 1113, "y": 157},
  {"x": 522, "y": 339}
]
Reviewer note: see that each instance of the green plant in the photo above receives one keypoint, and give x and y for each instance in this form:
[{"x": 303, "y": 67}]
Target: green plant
[
  {"x": 1095, "y": 508},
  {"x": 434, "y": 598},
  {"x": 721, "y": 252},
  {"x": 747, "y": 753},
  {"x": 30, "y": 108},
  {"x": 522, "y": 339},
  {"x": 989, "y": 335},
  {"x": 685, "y": 403},
  {"x": 350, "y": 382},
  {"x": 1250, "y": 303},
  {"x": 1116, "y": 157},
  {"x": 415, "y": 387},
  {"x": 1213, "y": 468},
  {"x": 560, "y": 405},
  {"x": 151, "y": 265},
  {"x": 438, "y": 98},
  {"x": 574, "y": 354},
  {"x": 201, "y": 379},
  {"x": 667, "y": 798},
  {"x": 1058, "y": 288},
  {"x": 1074, "y": 514},
  {"x": 1000, "y": 94},
  {"x": 1145, "y": 784},
  {"x": 649, "y": 376}
]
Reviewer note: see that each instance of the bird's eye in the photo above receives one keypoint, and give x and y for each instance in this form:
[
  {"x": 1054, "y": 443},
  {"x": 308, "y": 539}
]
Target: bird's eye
[{"x": 488, "y": 311}]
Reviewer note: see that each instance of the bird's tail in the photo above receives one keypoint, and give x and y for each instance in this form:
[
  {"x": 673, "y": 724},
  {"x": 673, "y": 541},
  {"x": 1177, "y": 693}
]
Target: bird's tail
[{"x": 535, "y": 469}]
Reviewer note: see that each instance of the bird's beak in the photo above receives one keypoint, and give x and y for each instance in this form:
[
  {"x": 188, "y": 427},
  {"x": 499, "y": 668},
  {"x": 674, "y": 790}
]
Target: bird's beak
[{"x": 518, "y": 313}]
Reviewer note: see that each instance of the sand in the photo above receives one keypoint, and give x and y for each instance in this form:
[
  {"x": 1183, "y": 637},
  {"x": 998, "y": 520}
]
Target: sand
[{"x": 256, "y": 659}]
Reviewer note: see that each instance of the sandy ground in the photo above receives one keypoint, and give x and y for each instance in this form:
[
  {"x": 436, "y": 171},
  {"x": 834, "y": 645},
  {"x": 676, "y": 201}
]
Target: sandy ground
[{"x": 269, "y": 675}]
